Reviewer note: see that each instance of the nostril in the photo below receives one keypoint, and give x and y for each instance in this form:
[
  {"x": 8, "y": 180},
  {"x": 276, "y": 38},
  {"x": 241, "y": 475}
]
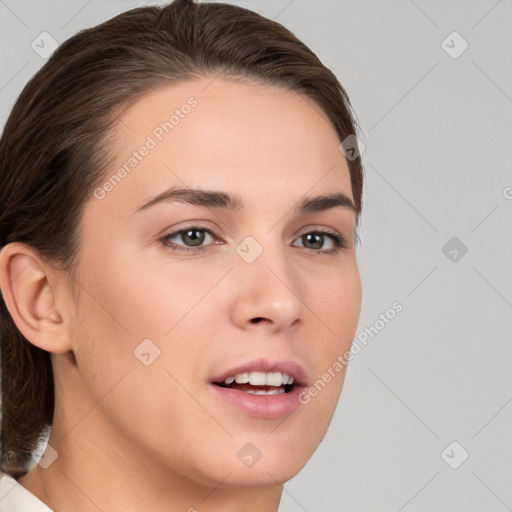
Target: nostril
[{"x": 256, "y": 320}]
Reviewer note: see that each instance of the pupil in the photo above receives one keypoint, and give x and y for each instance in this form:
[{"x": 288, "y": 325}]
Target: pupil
[
  {"x": 195, "y": 240},
  {"x": 318, "y": 239}
]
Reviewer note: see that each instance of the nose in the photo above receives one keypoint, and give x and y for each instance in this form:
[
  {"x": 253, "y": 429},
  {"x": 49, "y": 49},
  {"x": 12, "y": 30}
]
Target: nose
[{"x": 267, "y": 292}]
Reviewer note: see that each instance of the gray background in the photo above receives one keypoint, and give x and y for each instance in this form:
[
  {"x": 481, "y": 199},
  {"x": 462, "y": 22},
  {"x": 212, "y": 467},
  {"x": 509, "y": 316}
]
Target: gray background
[{"x": 438, "y": 133}]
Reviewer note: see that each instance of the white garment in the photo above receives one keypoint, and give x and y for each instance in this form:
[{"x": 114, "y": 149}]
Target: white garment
[{"x": 15, "y": 498}]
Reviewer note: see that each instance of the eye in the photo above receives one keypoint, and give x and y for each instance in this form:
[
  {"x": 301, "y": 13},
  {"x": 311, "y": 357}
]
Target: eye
[
  {"x": 193, "y": 237},
  {"x": 317, "y": 239}
]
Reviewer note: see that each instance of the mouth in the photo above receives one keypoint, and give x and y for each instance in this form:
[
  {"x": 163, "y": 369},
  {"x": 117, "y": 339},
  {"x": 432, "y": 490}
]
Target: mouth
[
  {"x": 259, "y": 383},
  {"x": 261, "y": 388}
]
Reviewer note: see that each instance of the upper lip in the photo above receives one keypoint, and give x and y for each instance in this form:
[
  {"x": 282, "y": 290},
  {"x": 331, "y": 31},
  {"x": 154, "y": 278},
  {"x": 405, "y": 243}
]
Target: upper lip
[{"x": 267, "y": 365}]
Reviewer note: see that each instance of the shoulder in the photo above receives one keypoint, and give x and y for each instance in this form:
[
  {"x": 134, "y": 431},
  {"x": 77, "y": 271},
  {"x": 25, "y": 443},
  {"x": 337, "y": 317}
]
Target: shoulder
[{"x": 15, "y": 498}]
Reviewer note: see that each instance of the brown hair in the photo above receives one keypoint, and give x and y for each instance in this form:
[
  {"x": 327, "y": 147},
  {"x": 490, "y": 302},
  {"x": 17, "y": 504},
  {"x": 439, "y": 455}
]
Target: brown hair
[{"x": 54, "y": 149}]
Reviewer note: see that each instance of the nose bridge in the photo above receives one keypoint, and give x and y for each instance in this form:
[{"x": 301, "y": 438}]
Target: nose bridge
[{"x": 268, "y": 287}]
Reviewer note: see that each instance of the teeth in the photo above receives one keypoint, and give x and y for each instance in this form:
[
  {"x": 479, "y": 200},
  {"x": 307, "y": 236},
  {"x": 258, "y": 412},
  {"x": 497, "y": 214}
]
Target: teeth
[
  {"x": 269, "y": 392},
  {"x": 242, "y": 378},
  {"x": 257, "y": 379},
  {"x": 276, "y": 379}
]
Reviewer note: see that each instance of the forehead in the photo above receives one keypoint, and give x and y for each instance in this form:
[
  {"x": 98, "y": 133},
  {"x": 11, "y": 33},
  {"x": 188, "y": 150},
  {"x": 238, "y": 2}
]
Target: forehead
[{"x": 253, "y": 139}]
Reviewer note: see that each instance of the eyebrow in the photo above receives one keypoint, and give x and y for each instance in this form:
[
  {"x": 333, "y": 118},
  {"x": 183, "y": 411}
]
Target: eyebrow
[{"x": 217, "y": 199}]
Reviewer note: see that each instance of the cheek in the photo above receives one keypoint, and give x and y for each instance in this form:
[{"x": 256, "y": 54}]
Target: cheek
[
  {"x": 335, "y": 301},
  {"x": 133, "y": 311},
  {"x": 335, "y": 309},
  {"x": 119, "y": 311},
  {"x": 133, "y": 298}
]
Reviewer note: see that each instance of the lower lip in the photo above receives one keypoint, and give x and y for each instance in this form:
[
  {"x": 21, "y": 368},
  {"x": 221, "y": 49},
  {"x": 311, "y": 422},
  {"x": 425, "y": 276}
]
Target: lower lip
[{"x": 261, "y": 406}]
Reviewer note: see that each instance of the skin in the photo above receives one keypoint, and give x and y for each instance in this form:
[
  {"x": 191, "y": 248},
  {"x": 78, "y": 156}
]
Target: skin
[{"x": 145, "y": 438}]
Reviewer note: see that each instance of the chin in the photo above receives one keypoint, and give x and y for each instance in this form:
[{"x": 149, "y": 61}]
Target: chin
[
  {"x": 274, "y": 470},
  {"x": 260, "y": 460}
]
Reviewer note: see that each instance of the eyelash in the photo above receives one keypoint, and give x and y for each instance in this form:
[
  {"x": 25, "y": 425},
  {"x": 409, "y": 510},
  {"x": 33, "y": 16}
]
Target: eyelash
[{"x": 338, "y": 241}]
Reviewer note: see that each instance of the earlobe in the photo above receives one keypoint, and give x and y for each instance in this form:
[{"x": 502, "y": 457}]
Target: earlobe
[{"x": 29, "y": 290}]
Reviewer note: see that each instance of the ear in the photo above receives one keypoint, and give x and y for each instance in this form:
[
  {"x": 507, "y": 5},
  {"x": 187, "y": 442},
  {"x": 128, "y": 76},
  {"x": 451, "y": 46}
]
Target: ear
[{"x": 29, "y": 289}]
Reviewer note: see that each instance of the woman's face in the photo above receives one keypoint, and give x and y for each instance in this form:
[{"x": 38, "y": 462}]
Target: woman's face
[{"x": 161, "y": 315}]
